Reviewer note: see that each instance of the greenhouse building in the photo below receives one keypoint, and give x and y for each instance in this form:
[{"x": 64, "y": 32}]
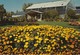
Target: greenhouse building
[{"x": 61, "y": 6}]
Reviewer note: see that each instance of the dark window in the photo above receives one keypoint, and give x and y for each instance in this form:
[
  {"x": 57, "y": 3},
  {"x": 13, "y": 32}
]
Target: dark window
[{"x": 77, "y": 7}]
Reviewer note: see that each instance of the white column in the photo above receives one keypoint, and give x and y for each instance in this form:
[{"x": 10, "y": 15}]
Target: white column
[
  {"x": 35, "y": 17},
  {"x": 65, "y": 12},
  {"x": 55, "y": 8},
  {"x": 40, "y": 17}
]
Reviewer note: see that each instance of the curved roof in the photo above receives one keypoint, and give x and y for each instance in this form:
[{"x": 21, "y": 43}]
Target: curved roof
[{"x": 49, "y": 4}]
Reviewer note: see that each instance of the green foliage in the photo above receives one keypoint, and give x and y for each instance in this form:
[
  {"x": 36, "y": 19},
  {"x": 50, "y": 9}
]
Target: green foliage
[
  {"x": 9, "y": 14},
  {"x": 71, "y": 14},
  {"x": 54, "y": 23},
  {"x": 78, "y": 16},
  {"x": 18, "y": 21},
  {"x": 50, "y": 14},
  {"x": 26, "y": 6},
  {"x": 2, "y": 11},
  {"x": 79, "y": 20}
]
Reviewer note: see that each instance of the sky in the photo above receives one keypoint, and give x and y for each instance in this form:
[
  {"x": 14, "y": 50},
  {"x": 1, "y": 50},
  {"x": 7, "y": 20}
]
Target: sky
[{"x": 14, "y": 5}]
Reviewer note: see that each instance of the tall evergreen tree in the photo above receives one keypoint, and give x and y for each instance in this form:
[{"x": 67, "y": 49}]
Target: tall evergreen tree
[
  {"x": 26, "y": 6},
  {"x": 2, "y": 11}
]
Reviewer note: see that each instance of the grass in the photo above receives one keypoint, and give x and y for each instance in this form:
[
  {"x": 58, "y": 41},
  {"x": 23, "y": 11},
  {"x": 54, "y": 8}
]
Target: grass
[{"x": 54, "y": 23}]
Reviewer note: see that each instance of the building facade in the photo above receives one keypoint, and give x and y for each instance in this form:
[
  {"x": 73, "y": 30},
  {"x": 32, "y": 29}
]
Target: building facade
[
  {"x": 60, "y": 6},
  {"x": 78, "y": 9}
]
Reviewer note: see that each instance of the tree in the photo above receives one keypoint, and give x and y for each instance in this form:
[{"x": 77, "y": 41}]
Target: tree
[
  {"x": 8, "y": 14},
  {"x": 2, "y": 11},
  {"x": 51, "y": 14},
  {"x": 17, "y": 11},
  {"x": 26, "y": 6},
  {"x": 71, "y": 14},
  {"x": 12, "y": 12}
]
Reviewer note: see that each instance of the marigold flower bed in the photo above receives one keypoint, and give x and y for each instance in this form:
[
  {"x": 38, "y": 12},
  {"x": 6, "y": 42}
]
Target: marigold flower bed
[{"x": 42, "y": 39}]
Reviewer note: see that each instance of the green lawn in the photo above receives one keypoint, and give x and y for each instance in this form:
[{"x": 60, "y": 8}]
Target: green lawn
[
  {"x": 53, "y": 23},
  {"x": 64, "y": 24}
]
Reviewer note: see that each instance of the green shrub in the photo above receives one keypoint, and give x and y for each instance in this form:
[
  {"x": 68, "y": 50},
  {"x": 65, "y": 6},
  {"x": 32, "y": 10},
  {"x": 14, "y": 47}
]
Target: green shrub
[
  {"x": 50, "y": 14},
  {"x": 72, "y": 14}
]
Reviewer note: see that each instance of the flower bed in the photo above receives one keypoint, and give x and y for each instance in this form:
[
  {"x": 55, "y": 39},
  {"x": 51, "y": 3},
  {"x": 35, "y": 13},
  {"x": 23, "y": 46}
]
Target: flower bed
[
  {"x": 75, "y": 23},
  {"x": 42, "y": 39}
]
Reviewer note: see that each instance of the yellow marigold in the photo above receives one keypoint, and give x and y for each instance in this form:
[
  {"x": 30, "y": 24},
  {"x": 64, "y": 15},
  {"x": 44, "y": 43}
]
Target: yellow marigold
[
  {"x": 36, "y": 44},
  {"x": 62, "y": 35},
  {"x": 14, "y": 49},
  {"x": 53, "y": 45},
  {"x": 53, "y": 40},
  {"x": 0, "y": 40},
  {"x": 10, "y": 41},
  {"x": 4, "y": 43},
  {"x": 21, "y": 39},
  {"x": 66, "y": 38},
  {"x": 3, "y": 40},
  {"x": 10, "y": 36},
  {"x": 61, "y": 47},
  {"x": 37, "y": 32},
  {"x": 25, "y": 46},
  {"x": 52, "y": 36},
  {"x": 58, "y": 38},
  {"x": 40, "y": 39},
  {"x": 31, "y": 38},
  {"x": 15, "y": 39},
  {"x": 64, "y": 46},
  {"x": 48, "y": 49},
  {"x": 48, "y": 45},
  {"x": 18, "y": 41},
  {"x": 76, "y": 37},
  {"x": 46, "y": 39},
  {"x": 6, "y": 38},
  {"x": 36, "y": 37},
  {"x": 72, "y": 46},
  {"x": 24, "y": 40},
  {"x": 26, "y": 43},
  {"x": 7, "y": 42},
  {"x": 72, "y": 36},
  {"x": 79, "y": 40},
  {"x": 27, "y": 38},
  {"x": 19, "y": 36},
  {"x": 16, "y": 34}
]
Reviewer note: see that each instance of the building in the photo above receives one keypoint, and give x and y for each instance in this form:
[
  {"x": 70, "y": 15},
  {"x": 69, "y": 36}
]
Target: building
[
  {"x": 18, "y": 14},
  {"x": 77, "y": 9},
  {"x": 61, "y": 6}
]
